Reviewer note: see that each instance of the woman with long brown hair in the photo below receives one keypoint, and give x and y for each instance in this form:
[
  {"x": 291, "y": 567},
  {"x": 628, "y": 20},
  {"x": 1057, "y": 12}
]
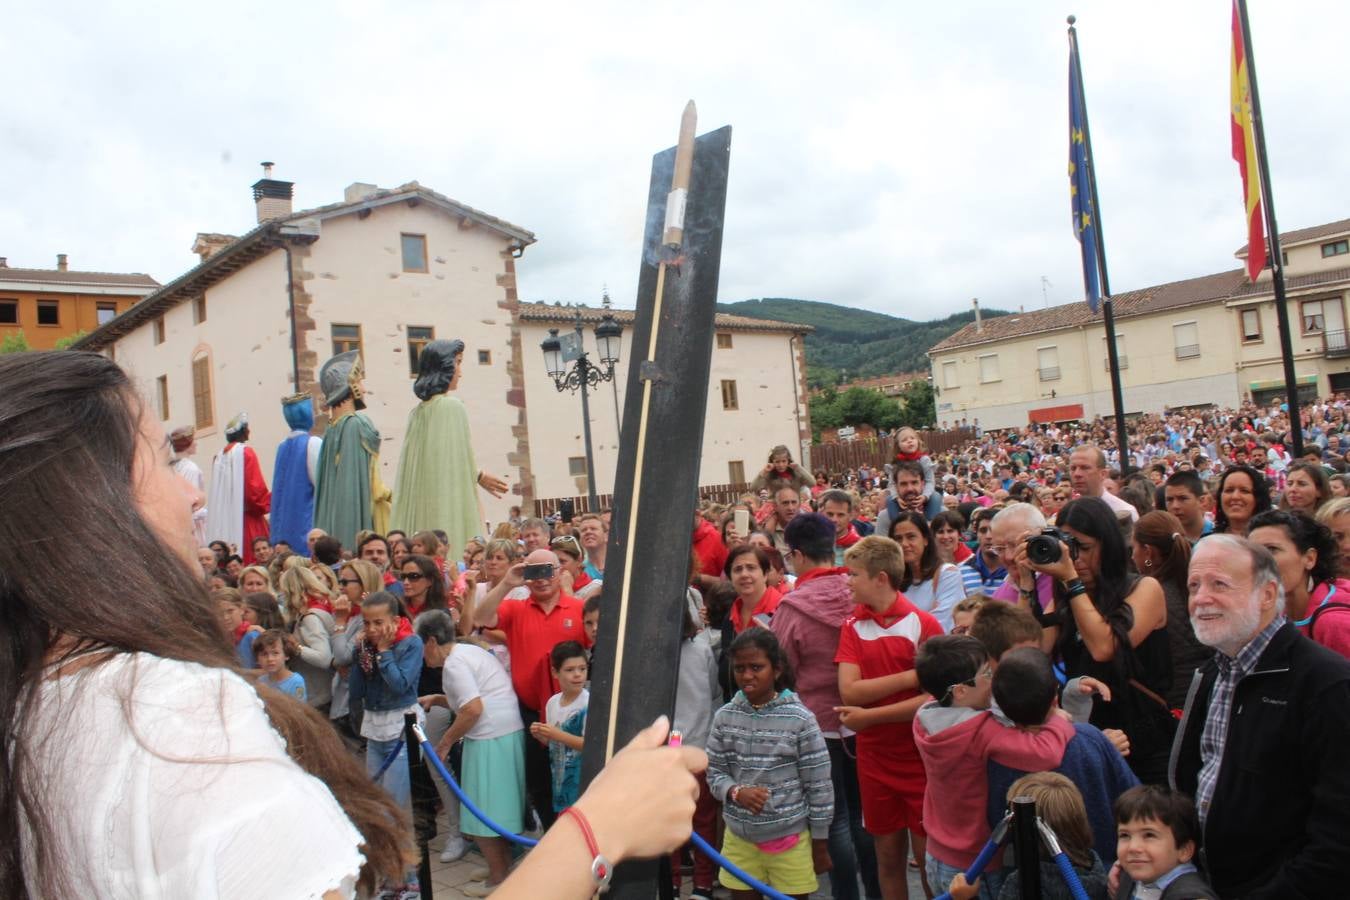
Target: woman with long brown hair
[
  {"x": 108, "y": 695},
  {"x": 1162, "y": 551}
]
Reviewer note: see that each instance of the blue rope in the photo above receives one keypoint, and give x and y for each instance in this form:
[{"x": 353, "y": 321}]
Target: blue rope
[
  {"x": 1070, "y": 877},
  {"x": 388, "y": 761},
  {"x": 978, "y": 866},
  {"x": 430, "y": 753},
  {"x": 530, "y": 842}
]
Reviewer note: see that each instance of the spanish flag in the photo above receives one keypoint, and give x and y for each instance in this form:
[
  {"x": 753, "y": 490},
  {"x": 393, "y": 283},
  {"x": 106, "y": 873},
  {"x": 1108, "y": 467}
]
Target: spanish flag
[{"x": 1244, "y": 152}]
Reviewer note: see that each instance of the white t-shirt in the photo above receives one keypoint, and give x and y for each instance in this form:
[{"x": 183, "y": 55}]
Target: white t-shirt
[
  {"x": 556, "y": 713},
  {"x": 469, "y": 672},
  {"x": 195, "y": 796}
]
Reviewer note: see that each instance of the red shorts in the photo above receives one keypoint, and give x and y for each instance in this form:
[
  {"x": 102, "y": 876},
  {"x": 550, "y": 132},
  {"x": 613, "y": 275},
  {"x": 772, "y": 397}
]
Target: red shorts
[{"x": 890, "y": 805}]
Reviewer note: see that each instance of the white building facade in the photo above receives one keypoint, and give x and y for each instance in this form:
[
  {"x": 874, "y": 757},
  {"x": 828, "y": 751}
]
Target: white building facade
[{"x": 384, "y": 272}]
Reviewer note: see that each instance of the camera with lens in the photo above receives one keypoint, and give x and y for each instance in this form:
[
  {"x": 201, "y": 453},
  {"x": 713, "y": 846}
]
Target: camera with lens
[{"x": 1043, "y": 549}]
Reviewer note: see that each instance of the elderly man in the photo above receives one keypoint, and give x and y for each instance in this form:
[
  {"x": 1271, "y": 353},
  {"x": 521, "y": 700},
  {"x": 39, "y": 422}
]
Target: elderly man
[
  {"x": 1262, "y": 743},
  {"x": 787, "y": 502},
  {"x": 1010, "y": 528},
  {"x": 533, "y": 628},
  {"x": 1087, "y": 472}
]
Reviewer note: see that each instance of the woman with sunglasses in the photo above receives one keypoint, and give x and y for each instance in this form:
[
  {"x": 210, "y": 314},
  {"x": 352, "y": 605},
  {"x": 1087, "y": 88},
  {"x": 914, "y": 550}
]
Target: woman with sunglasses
[
  {"x": 1112, "y": 625},
  {"x": 423, "y": 586}
]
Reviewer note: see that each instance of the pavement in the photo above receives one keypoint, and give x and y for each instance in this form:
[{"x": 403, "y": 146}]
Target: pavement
[{"x": 449, "y": 879}]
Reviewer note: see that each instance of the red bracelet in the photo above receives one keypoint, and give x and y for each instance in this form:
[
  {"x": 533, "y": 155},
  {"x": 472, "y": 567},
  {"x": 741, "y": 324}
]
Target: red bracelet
[{"x": 601, "y": 870}]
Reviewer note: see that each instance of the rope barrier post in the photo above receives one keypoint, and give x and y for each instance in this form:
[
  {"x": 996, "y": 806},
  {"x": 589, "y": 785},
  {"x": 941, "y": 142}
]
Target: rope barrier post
[
  {"x": 1027, "y": 847},
  {"x": 414, "y": 765}
]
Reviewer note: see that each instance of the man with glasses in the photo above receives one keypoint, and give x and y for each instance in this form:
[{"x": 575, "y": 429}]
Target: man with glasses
[{"x": 533, "y": 627}]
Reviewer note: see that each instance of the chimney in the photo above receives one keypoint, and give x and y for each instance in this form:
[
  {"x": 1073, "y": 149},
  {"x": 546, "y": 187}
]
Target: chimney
[
  {"x": 979, "y": 323},
  {"x": 272, "y": 197},
  {"x": 4, "y": 262},
  {"x": 358, "y": 191},
  {"x": 61, "y": 262}
]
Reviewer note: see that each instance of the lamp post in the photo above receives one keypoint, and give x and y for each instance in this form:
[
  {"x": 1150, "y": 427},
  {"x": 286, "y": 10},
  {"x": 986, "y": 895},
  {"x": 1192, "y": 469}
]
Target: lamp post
[{"x": 583, "y": 374}]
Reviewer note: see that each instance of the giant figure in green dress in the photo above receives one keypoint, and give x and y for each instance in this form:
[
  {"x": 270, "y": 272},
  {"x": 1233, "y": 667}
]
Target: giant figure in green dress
[
  {"x": 349, "y": 495},
  {"x": 438, "y": 479}
]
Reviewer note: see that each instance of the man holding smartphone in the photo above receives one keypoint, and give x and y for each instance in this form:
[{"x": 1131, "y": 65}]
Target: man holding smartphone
[{"x": 533, "y": 628}]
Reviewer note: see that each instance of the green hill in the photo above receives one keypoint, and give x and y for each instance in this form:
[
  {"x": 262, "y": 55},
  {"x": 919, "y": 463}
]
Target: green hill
[{"x": 855, "y": 343}]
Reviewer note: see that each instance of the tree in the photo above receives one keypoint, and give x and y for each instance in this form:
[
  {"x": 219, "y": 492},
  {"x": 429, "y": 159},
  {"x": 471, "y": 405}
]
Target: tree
[
  {"x": 14, "y": 343},
  {"x": 65, "y": 342},
  {"x": 918, "y": 408}
]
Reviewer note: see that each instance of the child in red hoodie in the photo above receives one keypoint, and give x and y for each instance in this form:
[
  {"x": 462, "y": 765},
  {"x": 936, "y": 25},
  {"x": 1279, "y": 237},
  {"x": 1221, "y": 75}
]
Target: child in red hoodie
[{"x": 957, "y": 735}]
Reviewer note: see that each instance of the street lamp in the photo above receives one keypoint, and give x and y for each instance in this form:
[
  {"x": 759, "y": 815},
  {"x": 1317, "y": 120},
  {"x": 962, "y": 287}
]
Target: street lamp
[{"x": 584, "y": 374}]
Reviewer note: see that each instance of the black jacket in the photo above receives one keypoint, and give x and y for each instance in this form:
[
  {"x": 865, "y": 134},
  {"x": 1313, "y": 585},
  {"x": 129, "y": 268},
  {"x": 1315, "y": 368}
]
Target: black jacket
[{"x": 1279, "y": 820}]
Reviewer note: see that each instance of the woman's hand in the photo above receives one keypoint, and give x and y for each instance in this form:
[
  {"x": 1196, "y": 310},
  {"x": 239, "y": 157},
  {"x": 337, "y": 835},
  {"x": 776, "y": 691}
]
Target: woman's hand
[
  {"x": 642, "y": 803},
  {"x": 1061, "y": 569}
]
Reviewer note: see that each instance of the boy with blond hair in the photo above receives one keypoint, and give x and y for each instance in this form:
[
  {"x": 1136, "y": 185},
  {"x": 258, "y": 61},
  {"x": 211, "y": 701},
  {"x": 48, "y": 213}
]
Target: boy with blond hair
[{"x": 877, "y": 647}]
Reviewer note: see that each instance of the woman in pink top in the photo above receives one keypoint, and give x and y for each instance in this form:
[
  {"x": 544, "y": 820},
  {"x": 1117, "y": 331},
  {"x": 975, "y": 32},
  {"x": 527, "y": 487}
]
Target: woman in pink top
[{"x": 1314, "y": 598}]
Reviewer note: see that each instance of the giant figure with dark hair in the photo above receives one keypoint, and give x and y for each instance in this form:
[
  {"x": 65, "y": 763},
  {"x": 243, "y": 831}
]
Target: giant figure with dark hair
[{"x": 437, "y": 476}]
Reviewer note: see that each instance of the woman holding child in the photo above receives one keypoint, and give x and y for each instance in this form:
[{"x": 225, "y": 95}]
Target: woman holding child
[{"x": 1112, "y": 625}]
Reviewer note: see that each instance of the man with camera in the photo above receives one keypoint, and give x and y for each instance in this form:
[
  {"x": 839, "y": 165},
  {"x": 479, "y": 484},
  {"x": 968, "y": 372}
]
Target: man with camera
[
  {"x": 533, "y": 628},
  {"x": 1024, "y": 586}
]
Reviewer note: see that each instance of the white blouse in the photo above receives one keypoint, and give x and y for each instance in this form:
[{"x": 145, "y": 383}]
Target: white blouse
[
  {"x": 165, "y": 779},
  {"x": 941, "y": 601}
]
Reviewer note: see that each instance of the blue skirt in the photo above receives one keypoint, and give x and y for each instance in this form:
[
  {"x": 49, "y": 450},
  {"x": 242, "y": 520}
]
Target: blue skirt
[{"x": 494, "y": 779}]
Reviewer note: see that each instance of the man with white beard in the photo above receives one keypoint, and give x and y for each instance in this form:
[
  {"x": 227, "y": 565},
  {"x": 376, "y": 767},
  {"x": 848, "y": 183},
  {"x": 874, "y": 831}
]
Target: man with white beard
[{"x": 1262, "y": 742}]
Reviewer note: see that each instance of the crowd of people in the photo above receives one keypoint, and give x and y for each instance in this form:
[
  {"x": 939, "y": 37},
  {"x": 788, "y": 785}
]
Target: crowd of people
[
  {"x": 874, "y": 658},
  {"x": 875, "y": 663}
]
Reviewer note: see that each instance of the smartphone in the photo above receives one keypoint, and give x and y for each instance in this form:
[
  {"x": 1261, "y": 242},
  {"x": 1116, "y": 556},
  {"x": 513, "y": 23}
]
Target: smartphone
[
  {"x": 538, "y": 572},
  {"x": 742, "y": 521},
  {"x": 566, "y": 509}
]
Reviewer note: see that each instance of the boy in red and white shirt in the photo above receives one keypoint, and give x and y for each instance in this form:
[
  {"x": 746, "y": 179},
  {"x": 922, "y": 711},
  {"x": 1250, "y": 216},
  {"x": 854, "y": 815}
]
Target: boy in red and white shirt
[{"x": 877, "y": 682}]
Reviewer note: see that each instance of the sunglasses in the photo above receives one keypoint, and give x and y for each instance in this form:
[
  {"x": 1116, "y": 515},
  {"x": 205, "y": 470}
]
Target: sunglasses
[
  {"x": 565, "y": 541},
  {"x": 346, "y": 581},
  {"x": 411, "y": 576}
]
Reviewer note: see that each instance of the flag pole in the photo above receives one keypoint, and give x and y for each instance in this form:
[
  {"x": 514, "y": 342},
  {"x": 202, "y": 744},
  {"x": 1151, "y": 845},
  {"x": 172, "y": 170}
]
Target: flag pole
[
  {"x": 1272, "y": 241},
  {"x": 1108, "y": 315}
]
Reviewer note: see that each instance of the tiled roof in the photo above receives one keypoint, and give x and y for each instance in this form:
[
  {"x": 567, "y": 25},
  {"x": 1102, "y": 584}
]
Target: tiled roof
[
  {"x": 1301, "y": 235},
  {"x": 377, "y": 197},
  {"x": 264, "y": 238},
  {"x": 547, "y": 312},
  {"x": 1312, "y": 279},
  {"x": 1142, "y": 302},
  {"x": 77, "y": 279}
]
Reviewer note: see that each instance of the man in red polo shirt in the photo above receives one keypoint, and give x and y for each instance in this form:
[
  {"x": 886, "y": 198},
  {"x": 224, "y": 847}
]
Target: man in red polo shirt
[{"x": 533, "y": 628}]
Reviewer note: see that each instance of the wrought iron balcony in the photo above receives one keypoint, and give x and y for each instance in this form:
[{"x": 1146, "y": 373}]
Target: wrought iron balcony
[{"x": 1337, "y": 343}]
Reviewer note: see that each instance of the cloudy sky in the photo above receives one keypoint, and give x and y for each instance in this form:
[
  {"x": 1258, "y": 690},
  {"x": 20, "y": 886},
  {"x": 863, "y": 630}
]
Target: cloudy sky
[{"x": 900, "y": 157}]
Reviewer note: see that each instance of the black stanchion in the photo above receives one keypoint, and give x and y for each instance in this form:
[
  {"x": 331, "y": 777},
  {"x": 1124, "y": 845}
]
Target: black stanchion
[
  {"x": 415, "y": 765},
  {"x": 1027, "y": 847}
]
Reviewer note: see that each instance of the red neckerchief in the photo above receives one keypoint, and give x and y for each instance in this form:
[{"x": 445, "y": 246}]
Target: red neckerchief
[
  {"x": 892, "y": 614},
  {"x": 820, "y": 573},
  {"x": 390, "y": 578},
  {"x": 581, "y": 581},
  {"x": 314, "y": 602},
  {"x": 414, "y": 611},
  {"x": 405, "y": 631},
  {"x": 917, "y": 454},
  {"x": 849, "y": 539},
  {"x": 240, "y": 631},
  {"x": 787, "y": 473}
]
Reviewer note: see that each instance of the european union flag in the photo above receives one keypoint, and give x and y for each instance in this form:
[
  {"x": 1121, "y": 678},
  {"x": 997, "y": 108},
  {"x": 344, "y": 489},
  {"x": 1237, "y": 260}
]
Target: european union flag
[{"x": 1080, "y": 183}]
